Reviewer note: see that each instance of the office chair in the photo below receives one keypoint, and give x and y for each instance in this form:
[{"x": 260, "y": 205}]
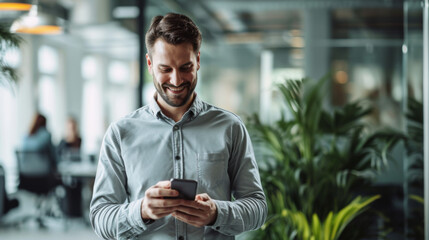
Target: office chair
[{"x": 37, "y": 174}]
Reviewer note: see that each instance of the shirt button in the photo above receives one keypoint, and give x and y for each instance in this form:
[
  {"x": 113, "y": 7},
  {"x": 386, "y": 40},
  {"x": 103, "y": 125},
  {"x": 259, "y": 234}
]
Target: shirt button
[
  {"x": 217, "y": 228},
  {"x": 176, "y": 128},
  {"x": 177, "y": 157},
  {"x": 180, "y": 238}
]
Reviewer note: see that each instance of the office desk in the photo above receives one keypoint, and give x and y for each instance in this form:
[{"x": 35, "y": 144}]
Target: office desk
[
  {"x": 78, "y": 180},
  {"x": 84, "y": 169}
]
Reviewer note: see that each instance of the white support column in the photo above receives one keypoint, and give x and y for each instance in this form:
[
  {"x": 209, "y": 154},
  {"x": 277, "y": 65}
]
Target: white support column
[{"x": 266, "y": 87}]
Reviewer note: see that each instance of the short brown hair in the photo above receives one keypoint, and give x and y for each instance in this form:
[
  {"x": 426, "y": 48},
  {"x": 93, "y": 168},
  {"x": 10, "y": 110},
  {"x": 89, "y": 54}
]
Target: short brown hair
[
  {"x": 174, "y": 29},
  {"x": 38, "y": 122}
]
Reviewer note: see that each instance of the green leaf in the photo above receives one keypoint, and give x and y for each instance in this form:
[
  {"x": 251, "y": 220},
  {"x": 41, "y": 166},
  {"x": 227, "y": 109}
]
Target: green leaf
[
  {"x": 316, "y": 227},
  {"x": 327, "y": 226},
  {"x": 417, "y": 198},
  {"x": 356, "y": 208}
]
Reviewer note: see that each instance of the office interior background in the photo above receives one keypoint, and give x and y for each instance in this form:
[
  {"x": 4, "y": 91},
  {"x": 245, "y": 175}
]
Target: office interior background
[{"x": 96, "y": 71}]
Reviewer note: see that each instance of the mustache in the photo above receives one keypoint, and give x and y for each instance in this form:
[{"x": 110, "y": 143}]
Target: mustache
[{"x": 187, "y": 84}]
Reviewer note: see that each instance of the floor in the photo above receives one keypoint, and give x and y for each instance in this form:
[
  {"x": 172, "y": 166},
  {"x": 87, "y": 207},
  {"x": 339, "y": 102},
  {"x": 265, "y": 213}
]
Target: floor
[{"x": 13, "y": 226}]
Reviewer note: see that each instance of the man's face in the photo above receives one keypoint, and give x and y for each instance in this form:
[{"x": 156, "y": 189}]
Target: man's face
[{"x": 174, "y": 72}]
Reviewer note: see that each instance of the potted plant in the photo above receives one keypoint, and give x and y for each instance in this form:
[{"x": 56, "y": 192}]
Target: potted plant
[
  {"x": 313, "y": 164},
  {"x": 8, "y": 40}
]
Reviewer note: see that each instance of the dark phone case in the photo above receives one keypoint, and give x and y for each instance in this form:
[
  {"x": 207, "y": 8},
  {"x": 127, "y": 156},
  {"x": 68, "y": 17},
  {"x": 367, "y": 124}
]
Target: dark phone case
[{"x": 187, "y": 188}]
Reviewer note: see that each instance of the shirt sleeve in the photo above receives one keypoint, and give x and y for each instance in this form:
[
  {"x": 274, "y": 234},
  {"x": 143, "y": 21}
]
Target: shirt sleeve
[
  {"x": 248, "y": 210},
  {"x": 111, "y": 215}
]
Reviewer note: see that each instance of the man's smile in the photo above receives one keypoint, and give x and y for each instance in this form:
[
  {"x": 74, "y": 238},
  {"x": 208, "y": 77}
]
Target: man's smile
[{"x": 176, "y": 90}]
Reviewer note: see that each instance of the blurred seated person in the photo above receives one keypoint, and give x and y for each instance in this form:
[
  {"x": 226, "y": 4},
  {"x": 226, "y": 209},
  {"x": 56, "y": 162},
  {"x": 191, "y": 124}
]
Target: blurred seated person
[
  {"x": 37, "y": 146},
  {"x": 39, "y": 139},
  {"x": 37, "y": 166},
  {"x": 69, "y": 150},
  {"x": 69, "y": 147}
]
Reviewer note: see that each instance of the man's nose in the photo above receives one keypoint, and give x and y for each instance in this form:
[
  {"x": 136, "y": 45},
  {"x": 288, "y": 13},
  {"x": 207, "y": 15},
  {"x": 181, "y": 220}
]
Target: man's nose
[{"x": 175, "y": 78}]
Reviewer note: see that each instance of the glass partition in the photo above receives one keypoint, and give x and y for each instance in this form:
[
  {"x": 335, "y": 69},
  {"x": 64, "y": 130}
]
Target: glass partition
[{"x": 412, "y": 82}]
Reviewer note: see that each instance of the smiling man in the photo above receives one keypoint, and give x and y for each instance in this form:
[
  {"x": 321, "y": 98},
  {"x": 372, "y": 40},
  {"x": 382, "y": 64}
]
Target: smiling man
[{"x": 176, "y": 135}]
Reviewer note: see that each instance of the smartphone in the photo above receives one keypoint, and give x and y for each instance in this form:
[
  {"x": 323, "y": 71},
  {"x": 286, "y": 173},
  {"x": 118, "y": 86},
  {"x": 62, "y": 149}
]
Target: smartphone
[{"x": 187, "y": 188}]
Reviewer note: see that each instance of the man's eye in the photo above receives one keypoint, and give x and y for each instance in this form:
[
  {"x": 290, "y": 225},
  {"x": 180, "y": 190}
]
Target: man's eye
[
  {"x": 164, "y": 70},
  {"x": 186, "y": 68}
]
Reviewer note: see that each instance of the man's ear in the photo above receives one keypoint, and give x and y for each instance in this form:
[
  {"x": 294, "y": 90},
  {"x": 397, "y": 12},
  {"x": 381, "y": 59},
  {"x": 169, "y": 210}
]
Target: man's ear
[
  {"x": 198, "y": 61},
  {"x": 149, "y": 63}
]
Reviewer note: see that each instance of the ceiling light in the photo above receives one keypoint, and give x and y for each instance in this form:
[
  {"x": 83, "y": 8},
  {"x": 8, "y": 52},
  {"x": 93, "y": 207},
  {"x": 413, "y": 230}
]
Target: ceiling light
[
  {"x": 36, "y": 22},
  {"x": 15, "y": 6},
  {"x": 126, "y": 12}
]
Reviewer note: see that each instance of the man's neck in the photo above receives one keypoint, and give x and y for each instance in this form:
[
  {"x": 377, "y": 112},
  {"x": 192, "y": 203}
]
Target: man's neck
[{"x": 175, "y": 113}]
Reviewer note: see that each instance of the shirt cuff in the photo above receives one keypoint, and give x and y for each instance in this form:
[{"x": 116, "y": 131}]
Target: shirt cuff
[
  {"x": 228, "y": 221},
  {"x": 130, "y": 223},
  {"x": 222, "y": 209},
  {"x": 134, "y": 214}
]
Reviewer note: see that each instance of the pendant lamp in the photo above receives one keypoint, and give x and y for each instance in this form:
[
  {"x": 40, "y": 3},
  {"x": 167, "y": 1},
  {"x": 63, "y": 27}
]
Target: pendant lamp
[
  {"x": 36, "y": 22},
  {"x": 10, "y": 5}
]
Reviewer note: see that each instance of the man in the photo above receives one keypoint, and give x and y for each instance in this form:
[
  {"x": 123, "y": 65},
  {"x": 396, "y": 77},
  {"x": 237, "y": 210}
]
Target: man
[{"x": 176, "y": 136}]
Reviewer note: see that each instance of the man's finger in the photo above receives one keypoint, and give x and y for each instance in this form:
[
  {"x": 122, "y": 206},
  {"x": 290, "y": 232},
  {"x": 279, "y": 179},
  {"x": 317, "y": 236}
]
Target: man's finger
[
  {"x": 161, "y": 211},
  {"x": 161, "y": 192},
  {"x": 163, "y": 184},
  {"x": 190, "y": 219},
  {"x": 202, "y": 197},
  {"x": 164, "y": 203}
]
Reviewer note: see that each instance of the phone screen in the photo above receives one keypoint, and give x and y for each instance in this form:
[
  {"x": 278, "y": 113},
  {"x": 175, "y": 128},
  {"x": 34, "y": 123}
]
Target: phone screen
[{"x": 187, "y": 188}]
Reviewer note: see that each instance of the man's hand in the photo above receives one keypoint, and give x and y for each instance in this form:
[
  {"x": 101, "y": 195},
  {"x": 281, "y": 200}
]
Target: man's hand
[
  {"x": 154, "y": 206},
  {"x": 199, "y": 213}
]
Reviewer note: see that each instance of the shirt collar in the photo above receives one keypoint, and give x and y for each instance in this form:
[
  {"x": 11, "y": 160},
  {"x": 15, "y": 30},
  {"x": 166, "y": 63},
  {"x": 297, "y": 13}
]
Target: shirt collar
[
  {"x": 196, "y": 106},
  {"x": 153, "y": 106}
]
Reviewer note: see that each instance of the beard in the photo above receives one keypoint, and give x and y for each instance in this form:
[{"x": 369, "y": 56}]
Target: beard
[{"x": 175, "y": 100}]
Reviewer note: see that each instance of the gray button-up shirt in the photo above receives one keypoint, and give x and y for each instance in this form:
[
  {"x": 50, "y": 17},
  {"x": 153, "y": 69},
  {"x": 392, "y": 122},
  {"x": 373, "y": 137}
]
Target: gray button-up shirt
[{"x": 208, "y": 144}]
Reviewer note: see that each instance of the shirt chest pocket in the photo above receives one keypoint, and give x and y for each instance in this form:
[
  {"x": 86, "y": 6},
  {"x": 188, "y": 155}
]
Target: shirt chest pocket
[{"x": 212, "y": 169}]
